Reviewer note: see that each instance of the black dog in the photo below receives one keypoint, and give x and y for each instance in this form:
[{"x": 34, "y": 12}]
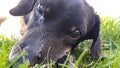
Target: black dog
[{"x": 54, "y": 28}]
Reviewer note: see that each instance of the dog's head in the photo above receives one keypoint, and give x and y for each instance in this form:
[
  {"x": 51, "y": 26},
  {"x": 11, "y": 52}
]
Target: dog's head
[{"x": 53, "y": 29}]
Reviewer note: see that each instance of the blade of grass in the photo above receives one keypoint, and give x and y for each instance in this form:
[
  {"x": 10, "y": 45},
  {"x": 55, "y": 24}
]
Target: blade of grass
[
  {"x": 66, "y": 60},
  {"x": 80, "y": 58},
  {"x": 20, "y": 55},
  {"x": 51, "y": 64}
]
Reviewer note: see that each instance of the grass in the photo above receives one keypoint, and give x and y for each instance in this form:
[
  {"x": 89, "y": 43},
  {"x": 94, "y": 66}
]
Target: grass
[
  {"x": 110, "y": 42},
  {"x": 5, "y": 47}
]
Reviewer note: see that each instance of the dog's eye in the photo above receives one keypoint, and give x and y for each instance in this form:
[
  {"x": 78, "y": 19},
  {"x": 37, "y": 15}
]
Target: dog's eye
[
  {"x": 75, "y": 34},
  {"x": 41, "y": 8}
]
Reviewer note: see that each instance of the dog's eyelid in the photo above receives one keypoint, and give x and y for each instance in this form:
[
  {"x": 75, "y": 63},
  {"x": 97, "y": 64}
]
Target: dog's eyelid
[{"x": 75, "y": 34}]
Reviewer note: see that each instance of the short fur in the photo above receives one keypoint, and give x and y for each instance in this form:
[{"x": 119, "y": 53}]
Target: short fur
[{"x": 50, "y": 37}]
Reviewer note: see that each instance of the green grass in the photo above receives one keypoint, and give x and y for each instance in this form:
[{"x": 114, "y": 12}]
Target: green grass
[
  {"x": 110, "y": 42},
  {"x": 5, "y": 47}
]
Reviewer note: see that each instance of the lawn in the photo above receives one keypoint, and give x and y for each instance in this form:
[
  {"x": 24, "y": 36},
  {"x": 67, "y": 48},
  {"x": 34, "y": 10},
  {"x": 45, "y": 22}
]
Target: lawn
[{"x": 110, "y": 42}]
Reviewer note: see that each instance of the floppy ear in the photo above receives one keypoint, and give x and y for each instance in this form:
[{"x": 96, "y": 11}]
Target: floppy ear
[
  {"x": 24, "y": 7},
  {"x": 96, "y": 48}
]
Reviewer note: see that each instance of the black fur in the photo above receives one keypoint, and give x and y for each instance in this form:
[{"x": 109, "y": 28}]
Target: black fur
[{"x": 52, "y": 30}]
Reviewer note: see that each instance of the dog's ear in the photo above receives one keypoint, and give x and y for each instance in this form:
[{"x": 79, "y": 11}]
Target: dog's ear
[
  {"x": 24, "y": 7},
  {"x": 96, "y": 47}
]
